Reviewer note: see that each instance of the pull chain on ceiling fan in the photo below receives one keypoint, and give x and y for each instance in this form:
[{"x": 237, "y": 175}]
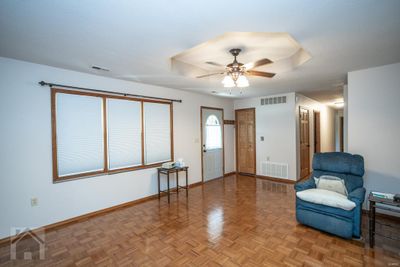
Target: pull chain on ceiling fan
[{"x": 236, "y": 72}]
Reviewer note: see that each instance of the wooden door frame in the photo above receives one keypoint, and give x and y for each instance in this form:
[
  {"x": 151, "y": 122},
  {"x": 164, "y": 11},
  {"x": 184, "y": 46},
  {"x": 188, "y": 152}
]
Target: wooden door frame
[
  {"x": 315, "y": 130},
  {"x": 201, "y": 141},
  {"x": 255, "y": 139},
  {"x": 341, "y": 133},
  {"x": 309, "y": 152}
]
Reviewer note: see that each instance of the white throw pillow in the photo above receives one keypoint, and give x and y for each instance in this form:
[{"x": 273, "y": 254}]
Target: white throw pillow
[
  {"x": 327, "y": 198},
  {"x": 331, "y": 183}
]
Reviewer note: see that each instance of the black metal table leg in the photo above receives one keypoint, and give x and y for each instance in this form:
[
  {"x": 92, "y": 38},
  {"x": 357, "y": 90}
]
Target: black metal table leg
[
  {"x": 187, "y": 184},
  {"x": 177, "y": 182},
  {"x": 159, "y": 187},
  {"x": 168, "y": 186}
]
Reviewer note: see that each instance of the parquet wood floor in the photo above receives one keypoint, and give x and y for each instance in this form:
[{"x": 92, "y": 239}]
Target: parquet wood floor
[{"x": 235, "y": 221}]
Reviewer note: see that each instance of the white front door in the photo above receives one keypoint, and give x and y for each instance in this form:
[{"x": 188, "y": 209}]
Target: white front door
[{"x": 212, "y": 143}]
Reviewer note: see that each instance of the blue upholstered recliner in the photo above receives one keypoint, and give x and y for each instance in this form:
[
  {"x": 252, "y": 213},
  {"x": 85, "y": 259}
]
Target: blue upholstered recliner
[{"x": 344, "y": 223}]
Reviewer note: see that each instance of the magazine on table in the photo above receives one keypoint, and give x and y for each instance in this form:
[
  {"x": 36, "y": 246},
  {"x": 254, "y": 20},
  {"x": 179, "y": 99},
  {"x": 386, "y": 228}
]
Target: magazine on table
[{"x": 383, "y": 195}]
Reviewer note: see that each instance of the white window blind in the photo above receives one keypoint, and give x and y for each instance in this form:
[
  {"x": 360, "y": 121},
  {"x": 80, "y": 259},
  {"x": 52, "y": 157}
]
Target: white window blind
[
  {"x": 124, "y": 133},
  {"x": 157, "y": 132},
  {"x": 79, "y": 131}
]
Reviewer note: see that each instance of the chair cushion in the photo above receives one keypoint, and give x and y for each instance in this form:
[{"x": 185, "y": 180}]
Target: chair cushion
[
  {"x": 352, "y": 182},
  {"x": 331, "y": 183},
  {"x": 327, "y": 198}
]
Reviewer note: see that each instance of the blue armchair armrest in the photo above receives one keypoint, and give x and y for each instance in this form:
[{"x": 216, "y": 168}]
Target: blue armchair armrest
[
  {"x": 307, "y": 184},
  {"x": 357, "y": 195}
]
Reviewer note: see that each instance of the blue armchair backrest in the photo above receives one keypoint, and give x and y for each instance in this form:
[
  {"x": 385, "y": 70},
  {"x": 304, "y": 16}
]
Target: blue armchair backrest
[{"x": 346, "y": 166}]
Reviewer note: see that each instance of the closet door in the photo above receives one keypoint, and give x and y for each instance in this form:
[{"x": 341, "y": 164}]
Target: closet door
[
  {"x": 304, "y": 142},
  {"x": 245, "y": 141}
]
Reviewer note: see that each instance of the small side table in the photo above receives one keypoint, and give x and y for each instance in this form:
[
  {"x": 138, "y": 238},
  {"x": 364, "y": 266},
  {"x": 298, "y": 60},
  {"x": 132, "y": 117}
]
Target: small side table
[
  {"x": 167, "y": 172},
  {"x": 384, "y": 204}
]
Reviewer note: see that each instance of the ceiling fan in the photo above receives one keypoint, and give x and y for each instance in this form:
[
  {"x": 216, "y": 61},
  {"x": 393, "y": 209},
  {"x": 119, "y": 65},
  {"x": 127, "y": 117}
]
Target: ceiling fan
[{"x": 236, "y": 72}]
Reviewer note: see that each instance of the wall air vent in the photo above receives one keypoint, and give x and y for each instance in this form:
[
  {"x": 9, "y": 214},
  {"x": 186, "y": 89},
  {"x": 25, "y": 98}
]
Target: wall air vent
[
  {"x": 273, "y": 100},
  {"x": 274, "y": 169}
]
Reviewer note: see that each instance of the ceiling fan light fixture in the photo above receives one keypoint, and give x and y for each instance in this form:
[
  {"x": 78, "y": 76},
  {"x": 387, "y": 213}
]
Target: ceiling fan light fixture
[
  {"x": 228, "y": 81},
  {"x": 242, "y": 81}
]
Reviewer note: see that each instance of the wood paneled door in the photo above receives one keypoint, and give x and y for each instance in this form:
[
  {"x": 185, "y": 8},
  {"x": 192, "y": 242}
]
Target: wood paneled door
[
  {"x": 317, "y": 132},
  {"x": 245, "y": 141},
  {"x": 304, "y": 115}
]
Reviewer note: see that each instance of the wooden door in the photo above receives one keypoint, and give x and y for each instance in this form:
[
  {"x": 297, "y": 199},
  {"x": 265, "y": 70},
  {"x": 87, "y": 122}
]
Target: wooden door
[
  {"x": 304, "y": 142},
  {"x": 341, "y": 135},
  {"x": 317, "y": 132},
  {"x": 245, "y": 141}
]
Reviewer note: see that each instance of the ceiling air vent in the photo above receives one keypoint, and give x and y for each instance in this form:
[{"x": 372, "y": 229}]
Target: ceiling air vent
[
  {"x": 99, "y": 68},
  {"x": 273, "y": 100}
]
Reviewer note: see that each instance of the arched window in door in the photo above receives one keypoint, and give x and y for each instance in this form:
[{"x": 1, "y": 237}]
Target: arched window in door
[{"x": 213, "y": 133}]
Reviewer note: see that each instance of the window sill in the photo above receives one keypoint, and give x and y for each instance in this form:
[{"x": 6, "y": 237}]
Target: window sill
[{"x": 74, "y": 177}]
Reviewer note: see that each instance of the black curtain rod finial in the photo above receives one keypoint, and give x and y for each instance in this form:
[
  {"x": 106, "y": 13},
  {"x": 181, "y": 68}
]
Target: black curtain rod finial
[{"x": 42, "y": 83}]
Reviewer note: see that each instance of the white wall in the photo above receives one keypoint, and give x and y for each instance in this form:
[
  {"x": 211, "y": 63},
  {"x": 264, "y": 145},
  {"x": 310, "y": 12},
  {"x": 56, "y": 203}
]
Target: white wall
[
  {"x": 25, "y": 143},
  {"x": 277, "y": 124},
  {"x": 374, "y": 125}
]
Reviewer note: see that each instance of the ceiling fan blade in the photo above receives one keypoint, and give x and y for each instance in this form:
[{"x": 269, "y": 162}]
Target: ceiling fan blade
[
  {"x": 214, "y": 64},
  {"x": 260, "y": 73},
  {"x": 257, "y": 63},
  {"x": 211, "y": 74}
]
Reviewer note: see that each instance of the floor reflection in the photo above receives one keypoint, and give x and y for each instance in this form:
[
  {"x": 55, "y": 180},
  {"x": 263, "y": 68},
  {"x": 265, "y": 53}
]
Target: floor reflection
[
  {"x": 274, "y": 186},
  {"x": 215, "y": 224}
]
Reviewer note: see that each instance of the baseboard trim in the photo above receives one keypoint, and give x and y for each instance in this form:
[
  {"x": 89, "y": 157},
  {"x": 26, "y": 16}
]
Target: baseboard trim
[
  {"x": 84, "y": 217},
  {"x": 246, "y": 174},
  {"x": 195, "y": 184},
  {"x": 229, "y": 174},
  {"x": 273, "y": 179}
]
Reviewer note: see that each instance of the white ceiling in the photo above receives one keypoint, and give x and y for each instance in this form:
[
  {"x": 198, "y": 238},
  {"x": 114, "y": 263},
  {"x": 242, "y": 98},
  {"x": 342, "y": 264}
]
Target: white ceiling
[{"x": 136, "y": 39}]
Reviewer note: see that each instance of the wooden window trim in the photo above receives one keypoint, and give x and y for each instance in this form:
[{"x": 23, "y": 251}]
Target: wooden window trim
[{"x": 106, "y": 170}]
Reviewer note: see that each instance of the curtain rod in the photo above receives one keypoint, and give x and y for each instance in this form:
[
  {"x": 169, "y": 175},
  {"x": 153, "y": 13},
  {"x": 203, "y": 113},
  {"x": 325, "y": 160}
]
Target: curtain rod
[{"x": 43, "y": 83}]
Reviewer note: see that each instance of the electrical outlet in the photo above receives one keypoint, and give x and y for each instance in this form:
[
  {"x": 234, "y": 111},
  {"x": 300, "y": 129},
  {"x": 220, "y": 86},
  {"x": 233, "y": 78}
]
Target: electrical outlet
[
  {"x": 262, "y": 138},
  {"x": 34, "y": 202}
]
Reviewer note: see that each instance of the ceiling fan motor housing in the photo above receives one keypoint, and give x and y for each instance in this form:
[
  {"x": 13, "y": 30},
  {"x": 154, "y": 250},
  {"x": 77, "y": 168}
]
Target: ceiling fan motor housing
[
  {"x": 235, "y": 51},
  {"x": 235, "y": 69}
]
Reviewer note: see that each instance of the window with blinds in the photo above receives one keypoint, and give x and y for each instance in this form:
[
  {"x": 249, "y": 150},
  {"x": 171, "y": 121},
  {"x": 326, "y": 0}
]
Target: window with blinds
[
  {"x": 80, "y": 137},
  {"x": 124, "y": 133},
  {"x": 157, "y": 133},
  {"x": 96, "y": 133}
]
